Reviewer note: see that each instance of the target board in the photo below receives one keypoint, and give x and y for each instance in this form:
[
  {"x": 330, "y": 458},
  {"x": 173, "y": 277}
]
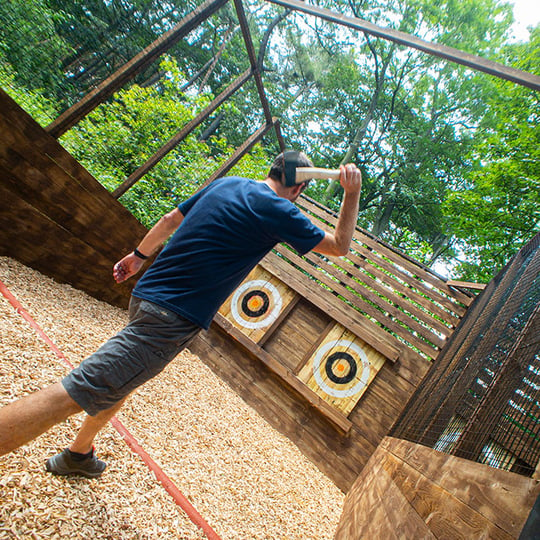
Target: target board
[
  {"x": 341, "y": 368},
  {"x": 257, "y": 303}
]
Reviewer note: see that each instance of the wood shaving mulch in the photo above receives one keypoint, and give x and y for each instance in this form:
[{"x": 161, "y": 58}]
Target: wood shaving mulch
[{"x": 247, "y": 480}]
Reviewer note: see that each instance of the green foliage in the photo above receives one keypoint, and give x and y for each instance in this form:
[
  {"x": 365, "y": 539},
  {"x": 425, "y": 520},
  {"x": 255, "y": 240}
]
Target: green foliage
[
  {"x": 120, "y": 136},
  {"x": 30, "y": 45},
  {"x": 449, "y": 158},
  {"x": 33, "y": 102},
  {"x": 500, "y": 210}
]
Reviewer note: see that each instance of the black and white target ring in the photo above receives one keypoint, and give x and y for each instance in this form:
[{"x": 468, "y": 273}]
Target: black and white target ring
[
  {"x": 256, "y": 304},
  {"x": 344, "y": 364}
]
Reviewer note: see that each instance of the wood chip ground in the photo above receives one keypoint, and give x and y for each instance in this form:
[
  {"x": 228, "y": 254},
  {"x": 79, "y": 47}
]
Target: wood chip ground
[{"x": 246, "y": 480}]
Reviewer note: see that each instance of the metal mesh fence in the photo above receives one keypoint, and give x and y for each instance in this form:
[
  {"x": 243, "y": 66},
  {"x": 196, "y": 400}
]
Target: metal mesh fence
[
  {"x": 189, "y": 53},
  {"x": 481, "y": 400}
]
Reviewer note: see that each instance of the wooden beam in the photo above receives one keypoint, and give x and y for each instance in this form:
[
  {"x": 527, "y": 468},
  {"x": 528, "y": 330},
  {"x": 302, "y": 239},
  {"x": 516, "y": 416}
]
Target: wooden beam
[
  {"x": 238, "y": 154},
  {"x": 466, "y": 284},
  {"x": 78, "y": 111},
  {"x": 253, "y": 60},
  {"x": 335, "y": 416},
  {"x": 442, "y": 51},
  {"x": 182, "y": 134}
]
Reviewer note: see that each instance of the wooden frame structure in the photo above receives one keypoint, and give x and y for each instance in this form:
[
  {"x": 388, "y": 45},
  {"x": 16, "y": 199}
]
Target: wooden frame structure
[
  {"x": 401, "y": 311},
  {"x": 74, "y": 114}
]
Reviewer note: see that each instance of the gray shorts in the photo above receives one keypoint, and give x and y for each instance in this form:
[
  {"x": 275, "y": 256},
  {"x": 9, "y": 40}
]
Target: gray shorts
[{"x": 153, "y": 337}]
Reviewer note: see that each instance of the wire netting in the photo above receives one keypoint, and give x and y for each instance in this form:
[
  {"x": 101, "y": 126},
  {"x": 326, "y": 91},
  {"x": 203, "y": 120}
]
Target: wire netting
[
  {"x": 93, "y": 43},
  {"x": 481, "y": 400}
]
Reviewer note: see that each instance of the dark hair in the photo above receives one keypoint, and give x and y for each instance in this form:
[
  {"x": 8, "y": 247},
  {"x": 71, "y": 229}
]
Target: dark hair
[{"x": 277, "y": 167}]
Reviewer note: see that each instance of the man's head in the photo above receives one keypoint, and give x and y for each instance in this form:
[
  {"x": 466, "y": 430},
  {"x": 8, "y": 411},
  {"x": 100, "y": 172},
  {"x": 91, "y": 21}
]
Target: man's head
[{"x": 277, "y": 174}]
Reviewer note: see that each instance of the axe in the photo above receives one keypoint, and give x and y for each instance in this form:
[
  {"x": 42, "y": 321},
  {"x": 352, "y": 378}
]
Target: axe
[{"x": 296, "y": 175}]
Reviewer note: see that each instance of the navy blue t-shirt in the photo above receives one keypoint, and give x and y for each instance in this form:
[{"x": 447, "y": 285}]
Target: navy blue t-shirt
[{"x": 228, "y": 228}]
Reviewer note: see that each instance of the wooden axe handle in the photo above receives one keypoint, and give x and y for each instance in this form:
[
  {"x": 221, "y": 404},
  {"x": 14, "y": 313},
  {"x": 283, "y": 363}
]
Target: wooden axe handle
[{"x": 306, "y": 173}]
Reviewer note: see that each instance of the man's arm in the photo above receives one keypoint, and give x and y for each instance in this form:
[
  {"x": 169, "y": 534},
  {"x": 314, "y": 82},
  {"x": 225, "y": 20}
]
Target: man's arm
[
  {"x": 338, "y": 243},
  {"x": 131, "y": 264}
]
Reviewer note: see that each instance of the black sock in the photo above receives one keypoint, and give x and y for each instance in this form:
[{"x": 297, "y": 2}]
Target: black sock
[{"x": 76, "y": 456}]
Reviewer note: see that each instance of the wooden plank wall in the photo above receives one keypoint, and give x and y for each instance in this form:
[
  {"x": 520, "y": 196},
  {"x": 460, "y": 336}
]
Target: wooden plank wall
[
  {"x": 58, "y": 219},
  {"x": 55, "y": 217},
  {"x": 386, "y": 315},
  {"x": 410, "y": 491},
  {"x": 272, "y": 366}
]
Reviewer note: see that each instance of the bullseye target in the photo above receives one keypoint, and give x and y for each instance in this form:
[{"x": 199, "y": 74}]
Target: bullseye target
[
  {"x": 341, "y": 368},
  {"x": 256, "y": 304}
]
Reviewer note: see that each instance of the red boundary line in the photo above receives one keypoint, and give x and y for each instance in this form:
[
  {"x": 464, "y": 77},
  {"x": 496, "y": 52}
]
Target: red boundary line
[{"x": 165, "y": 481}]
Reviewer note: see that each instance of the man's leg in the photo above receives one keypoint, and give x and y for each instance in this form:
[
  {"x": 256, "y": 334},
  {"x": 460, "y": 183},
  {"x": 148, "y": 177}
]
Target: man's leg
[
  {"x": 80, "y": 458},
  {"x": 27, "y": 418},
  {"x": 84, "y": 440}
]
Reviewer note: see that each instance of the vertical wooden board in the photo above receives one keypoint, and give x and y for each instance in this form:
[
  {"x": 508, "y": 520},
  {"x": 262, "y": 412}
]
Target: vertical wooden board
[
  {"x": 293, "y": 341},
  {"x": 256, "y": 304},
  {"x": 341, "y": 368}
]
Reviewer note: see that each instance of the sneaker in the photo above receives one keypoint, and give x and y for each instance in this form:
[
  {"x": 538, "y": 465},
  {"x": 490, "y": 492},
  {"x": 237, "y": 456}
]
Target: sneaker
[{"x": 63, "y": 464}]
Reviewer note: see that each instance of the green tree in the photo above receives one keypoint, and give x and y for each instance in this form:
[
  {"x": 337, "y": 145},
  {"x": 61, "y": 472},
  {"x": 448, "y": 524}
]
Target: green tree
[
  {"x": 31, "y": 46},
  {"x": 499, "y": 208},
  {"x": 118, "y": 137}
]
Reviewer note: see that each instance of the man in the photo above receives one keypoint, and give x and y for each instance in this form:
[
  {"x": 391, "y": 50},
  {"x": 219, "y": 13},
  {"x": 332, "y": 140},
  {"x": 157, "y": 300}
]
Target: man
[{"x": 218, "y": 236}]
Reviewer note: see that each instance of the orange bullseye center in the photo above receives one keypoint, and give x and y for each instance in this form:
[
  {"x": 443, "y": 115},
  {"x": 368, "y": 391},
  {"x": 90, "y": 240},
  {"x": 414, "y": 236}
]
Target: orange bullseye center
[
  {"x": 340, "y": 367},
  {"x": 254, "y": 303}
]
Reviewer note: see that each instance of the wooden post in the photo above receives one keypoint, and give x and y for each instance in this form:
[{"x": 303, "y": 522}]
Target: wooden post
[
  {"x": 78, "y": 111},
  {"x": 181, "y": 135},
  {"x": 255, "y": 68},
  {"x": 239, "y": 153},
  {"x": 442, "y": 51}
]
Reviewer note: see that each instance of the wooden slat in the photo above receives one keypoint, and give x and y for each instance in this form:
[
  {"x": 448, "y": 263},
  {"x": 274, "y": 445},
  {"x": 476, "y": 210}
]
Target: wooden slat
[
  {"x": 466, "y": 284},
  {"x": 363, "y": 283},
  {"x": 362, "y": 257},
  {"x": 370, "y": 261},
  {"x": 404, "y": 265},
  {"x": 287, "y": 375},
  {"x": 400, "y": 261},
  {"x": 387, "y": 302},
  {"x": 365, "y": 307},
  {"x": 452, "y": 498},
  {"x": 279, "y": 321},
  {"x": 352, "y": 521},
  {"x": 347, "y": 316},
  {"x": 374, "y": 259}
]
